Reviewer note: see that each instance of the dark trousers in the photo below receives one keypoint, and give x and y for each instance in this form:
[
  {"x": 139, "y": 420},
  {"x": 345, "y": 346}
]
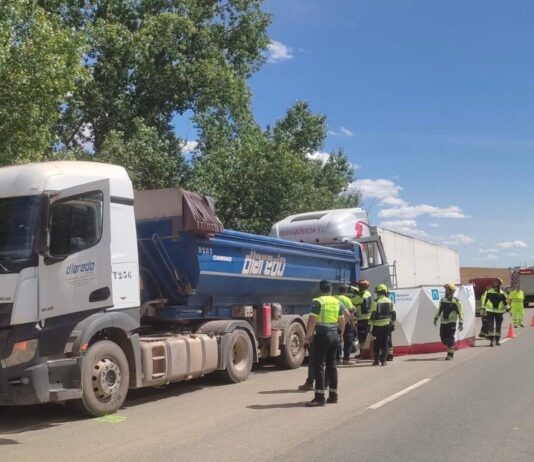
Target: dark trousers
[
  {"x": 447, "y": 333},
  {"x": 348, "y": 338},
  {"x": 311, "y": 364},
  {"x": 363, "y": 330},
  {"x": 325, "y": 346},
  {"x": 381, "y": 334},
  {"x": 484, "y": 328},
  {"x": 494, "y": 325}
]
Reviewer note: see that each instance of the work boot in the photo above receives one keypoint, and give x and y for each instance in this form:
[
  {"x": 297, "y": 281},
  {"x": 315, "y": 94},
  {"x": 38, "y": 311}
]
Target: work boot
[
  {"x": 332, "y": 398},
  {"x": 491, "y": 343},
  {"x": 390, "y": 357},
  {"x": 449, "y": 356},
  {"x": 383, "y": 363},
  {"x": 306, "y": 386},
  {"x": 375, "y": 362},
  {"x": 316, "y": 402},
  {"x": 498, "y": 343}
]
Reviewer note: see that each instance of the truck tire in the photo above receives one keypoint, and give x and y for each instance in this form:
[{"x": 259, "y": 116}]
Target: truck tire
[
  {"x": 238, "y": 357},
  {"x": 293, "y": 352},
  {"x": 105, "y": 379}
]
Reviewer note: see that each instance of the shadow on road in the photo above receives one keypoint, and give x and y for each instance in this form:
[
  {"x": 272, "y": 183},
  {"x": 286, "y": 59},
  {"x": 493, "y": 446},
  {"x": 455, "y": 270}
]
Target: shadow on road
[
  {"x": 276, "y": 406},
  {"x": 281, "y": 392},
  {"x": 4, "y": 441},
  {"x": 19, "y": 419}
]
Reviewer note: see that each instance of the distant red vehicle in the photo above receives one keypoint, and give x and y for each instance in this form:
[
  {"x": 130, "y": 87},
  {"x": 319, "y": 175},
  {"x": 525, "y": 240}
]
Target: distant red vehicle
[{"x": 480, "y": 285}]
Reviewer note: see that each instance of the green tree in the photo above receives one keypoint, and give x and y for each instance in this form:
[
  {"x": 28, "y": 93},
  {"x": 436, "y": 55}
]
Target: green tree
[
  {"x": 152, "y": 162},
  {"x": 259, "y": 176},
  {"x": 154, "y": 60},
  {"x": 39, "y": 69}
]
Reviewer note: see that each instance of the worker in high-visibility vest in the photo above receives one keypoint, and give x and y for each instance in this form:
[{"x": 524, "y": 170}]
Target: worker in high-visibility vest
[
  {"x": 348, "y": 333},
  {"x": 449, "y": 312},
  {"x": 495, "y": 305},
  {"x": 362, "y": 299},
  {"x": 326, "y": 316},
  {"x": 483, "y": 317},
  {"x": 383, "y": 318},
  {"x": 516, "y": 299}
]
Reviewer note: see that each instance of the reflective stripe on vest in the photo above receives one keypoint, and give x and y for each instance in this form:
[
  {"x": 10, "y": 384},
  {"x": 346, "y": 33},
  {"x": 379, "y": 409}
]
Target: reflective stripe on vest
[
  {"x": 362, "y": 303},
  {"x": 384, "y": 308},
  {"x": 329, "y": 310},
  {"x": 450, "y": 311},
  {"x": 495, "y": 301}
]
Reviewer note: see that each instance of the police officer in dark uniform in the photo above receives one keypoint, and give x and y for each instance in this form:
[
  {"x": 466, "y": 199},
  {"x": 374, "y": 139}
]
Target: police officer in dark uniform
[{"x": 326, "y": 316}]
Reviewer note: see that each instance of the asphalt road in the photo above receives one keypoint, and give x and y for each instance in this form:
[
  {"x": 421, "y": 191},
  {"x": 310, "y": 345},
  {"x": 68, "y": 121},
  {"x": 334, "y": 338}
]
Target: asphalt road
[{"x": 480, "y": 406}]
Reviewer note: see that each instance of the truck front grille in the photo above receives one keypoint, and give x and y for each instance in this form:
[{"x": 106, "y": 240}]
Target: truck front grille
[{"x": 5, "y": 314}]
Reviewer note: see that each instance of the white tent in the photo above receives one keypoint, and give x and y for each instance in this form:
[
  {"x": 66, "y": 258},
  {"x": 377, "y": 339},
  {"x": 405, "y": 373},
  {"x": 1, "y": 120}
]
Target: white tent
[{"x": 416, "y": 308}]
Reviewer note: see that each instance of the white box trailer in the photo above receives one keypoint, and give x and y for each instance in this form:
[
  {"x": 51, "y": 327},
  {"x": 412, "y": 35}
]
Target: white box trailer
[{"x": 415, "y": 262}]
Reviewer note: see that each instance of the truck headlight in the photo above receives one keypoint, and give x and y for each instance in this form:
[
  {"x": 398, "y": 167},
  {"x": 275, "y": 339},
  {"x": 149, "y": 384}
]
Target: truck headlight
[{"x": 22, "y": 352}]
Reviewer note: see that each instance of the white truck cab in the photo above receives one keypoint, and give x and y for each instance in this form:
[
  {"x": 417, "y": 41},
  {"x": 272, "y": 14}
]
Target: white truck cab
[{"x": 64, "y": 252}]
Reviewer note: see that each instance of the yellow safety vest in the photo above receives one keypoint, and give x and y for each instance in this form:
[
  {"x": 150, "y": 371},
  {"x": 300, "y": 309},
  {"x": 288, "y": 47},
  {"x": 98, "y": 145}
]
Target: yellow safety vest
[{"x": 330, "y": 310}]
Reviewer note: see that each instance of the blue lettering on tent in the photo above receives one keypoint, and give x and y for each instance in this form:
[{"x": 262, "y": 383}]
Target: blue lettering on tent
[{"x": 435, "y": 294}]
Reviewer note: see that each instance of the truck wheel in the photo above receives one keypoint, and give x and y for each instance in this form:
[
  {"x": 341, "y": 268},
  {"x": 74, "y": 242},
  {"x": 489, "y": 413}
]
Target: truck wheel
[
  {"x": 105, "y": 379},
  {"x": 293, "y": 352},
  {"x": 238, "y": 357}
]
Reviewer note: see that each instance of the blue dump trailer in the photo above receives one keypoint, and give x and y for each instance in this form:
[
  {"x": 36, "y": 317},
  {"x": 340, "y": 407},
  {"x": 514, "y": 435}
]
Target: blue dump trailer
[
  {"x": 103, "y": 290},
  {"x": 197, "y": 276}
]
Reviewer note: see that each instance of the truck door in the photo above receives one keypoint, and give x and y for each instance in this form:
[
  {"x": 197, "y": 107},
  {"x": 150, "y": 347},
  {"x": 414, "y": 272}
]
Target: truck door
[{"x": 75, "y": 275}]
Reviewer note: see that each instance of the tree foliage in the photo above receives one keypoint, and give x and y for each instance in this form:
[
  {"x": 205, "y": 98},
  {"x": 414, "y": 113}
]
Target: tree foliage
[
  {"x": 260, "y": 176},
  {"x": 39, "y": 68},
  {"x": 105, "y": 79},
  {"x": 152, "y": 162}
]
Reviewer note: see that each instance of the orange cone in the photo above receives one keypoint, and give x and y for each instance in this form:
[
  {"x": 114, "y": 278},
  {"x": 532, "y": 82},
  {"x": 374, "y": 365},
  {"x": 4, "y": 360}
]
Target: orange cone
[
  {"x": 532, "y": 322},
  {"x": 511, "y": 332}
]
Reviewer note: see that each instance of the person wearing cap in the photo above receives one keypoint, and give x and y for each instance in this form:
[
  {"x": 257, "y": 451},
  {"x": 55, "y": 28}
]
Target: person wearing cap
[
  {"x": 449, "y": 312},
  {"x": 361, "y": 300},
  {"x": 516, "y": 300},
  {"x": 382, "y": 319},
  {"x": 348, "y": 333},
  {"x": 326, "y": 316},
  {"x": 494, "y": 307}
]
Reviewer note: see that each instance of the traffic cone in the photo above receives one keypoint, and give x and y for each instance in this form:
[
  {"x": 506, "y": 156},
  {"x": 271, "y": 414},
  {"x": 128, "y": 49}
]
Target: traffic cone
[
  {"x": 511, "y": 332},
  {"x": 532, "y": 322}
]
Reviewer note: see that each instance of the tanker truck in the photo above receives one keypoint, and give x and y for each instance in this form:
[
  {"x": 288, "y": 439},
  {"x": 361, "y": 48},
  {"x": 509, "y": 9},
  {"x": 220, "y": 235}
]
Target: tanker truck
[
  {"x": 387, "y": 257},
  {"x": 103, "y": 290}
]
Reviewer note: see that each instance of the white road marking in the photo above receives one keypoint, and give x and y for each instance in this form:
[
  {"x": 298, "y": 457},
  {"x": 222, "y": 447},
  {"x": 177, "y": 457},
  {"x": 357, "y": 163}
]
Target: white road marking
[{"x": 399, "y": 394}]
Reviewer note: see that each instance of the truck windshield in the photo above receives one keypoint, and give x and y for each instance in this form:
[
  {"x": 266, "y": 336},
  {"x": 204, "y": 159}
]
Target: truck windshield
[{"x": 18, "y": 223}]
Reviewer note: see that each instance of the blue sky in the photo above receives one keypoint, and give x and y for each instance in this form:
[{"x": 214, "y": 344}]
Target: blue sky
[{"x": 432, "y": 100}]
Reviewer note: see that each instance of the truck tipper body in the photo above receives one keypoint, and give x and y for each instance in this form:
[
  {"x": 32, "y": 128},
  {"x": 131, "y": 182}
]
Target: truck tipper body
[
  {"x": 387, "y": 257},
  {"x": 99, "y": 296}
]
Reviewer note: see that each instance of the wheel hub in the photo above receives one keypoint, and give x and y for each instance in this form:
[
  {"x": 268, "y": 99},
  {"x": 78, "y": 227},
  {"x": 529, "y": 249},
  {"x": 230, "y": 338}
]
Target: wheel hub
[
  {"x": 106, "y": 378},
  {"x": 295, "y": 345}
]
